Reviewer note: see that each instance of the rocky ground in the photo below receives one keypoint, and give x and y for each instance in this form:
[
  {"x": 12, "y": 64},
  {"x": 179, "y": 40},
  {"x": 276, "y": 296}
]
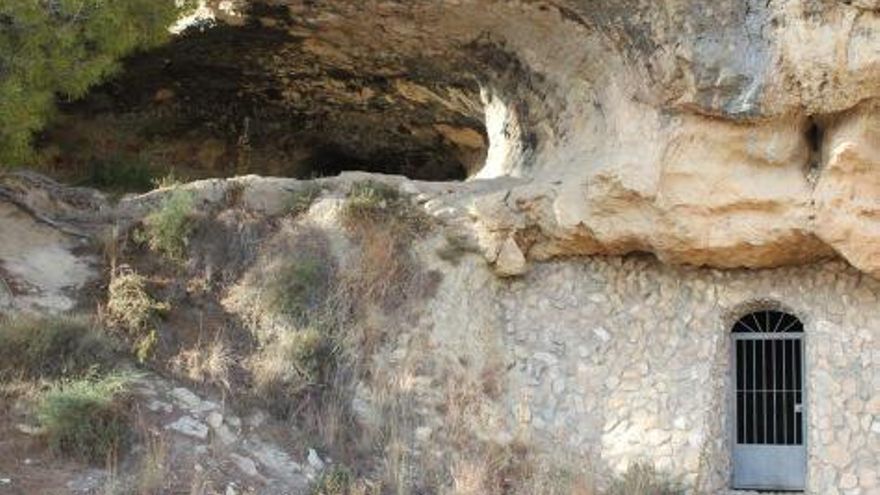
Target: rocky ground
[
  {"x": 51, "y": 262},
  {"x": 204, "y": 448}
]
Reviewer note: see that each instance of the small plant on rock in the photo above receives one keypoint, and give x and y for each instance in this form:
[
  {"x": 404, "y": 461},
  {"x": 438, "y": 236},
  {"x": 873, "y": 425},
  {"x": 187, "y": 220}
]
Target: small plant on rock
[
  {"x": 167, "y": 229},
  {"x": 371, "y": 202},
  {"x": 301, "y": 199},
  {"x": 369, "y": 199},
  {"x": 166, "y": 181},
  {"x": 88, "y": 418}
]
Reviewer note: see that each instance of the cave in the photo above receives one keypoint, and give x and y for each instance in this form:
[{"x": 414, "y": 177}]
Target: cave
[{"x": 268, "y": 96}]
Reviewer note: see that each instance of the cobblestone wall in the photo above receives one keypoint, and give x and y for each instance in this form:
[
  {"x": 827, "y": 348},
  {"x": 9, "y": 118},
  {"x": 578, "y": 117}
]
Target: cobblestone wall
[{"x": 625, "y": 360}]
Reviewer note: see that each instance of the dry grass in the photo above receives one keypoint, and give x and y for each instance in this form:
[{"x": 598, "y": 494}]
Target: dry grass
[
  {"x": 131, "y": 309},
  {"x": 293, "y": 370},
  {"x": 339, "y": 480},
  {"x": 319, "y": 321},
  {"x": 301, "y": 199},
  {"x": 319, "y": 324},
  {"x": 52, "y": 347},
  {"x": 290, "y": 284},
  {"x": 643, "y": 479},
  {"x": 385, "y": 273},
  {"x": 153, "y": 468},
  {"x": 207, "y": 363},
  {"x": 129, "y": 305},
  {"x": 514, "y": 469},
  {"x": 108, "y": 242},
  {"x": 166, "y": 181},
  {"x": 370, "y": 203}
]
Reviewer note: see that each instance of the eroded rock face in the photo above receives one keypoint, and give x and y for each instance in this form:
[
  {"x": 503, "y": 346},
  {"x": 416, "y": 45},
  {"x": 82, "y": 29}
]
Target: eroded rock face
[
  {"x": 736, "y": 133},
  {"x": 45, "y": 235}
]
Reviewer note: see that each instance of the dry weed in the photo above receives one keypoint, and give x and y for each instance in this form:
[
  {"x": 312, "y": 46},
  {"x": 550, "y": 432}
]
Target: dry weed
[
  {"x": 469, "y": 478},
  {"x": 643, "y": 479},
  {"x": 207, "y": 363},
  {"x": 153, "y": 470},
  {"x": 293, "y": 370},
  {"x": 131, "y": 308},
  {"x": 52, "y": 347}
]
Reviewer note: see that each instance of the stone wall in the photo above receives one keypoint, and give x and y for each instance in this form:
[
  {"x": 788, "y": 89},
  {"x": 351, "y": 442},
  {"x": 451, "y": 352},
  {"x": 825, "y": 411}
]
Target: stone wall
[{"x": 620, "y": 360}]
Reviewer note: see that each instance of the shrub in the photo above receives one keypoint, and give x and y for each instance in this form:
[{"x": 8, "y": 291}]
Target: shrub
[
  {"x": 132, "y": 309},
  {"x": 336, "y": 480},
  {"x": 292, "y": 286},
  {"x": 370, "y": 202},
  {"x": 154, "y": 469},
  {"x": 642, "y": 479},
  {"x": 287, "y": 369},
  {"x": 63, "y": 48},
  {"x": 301, "y": 199},
  {"x": 120, "y": 175},
  {"x": 168, "y": 180},
  {"x": 51, "y": 347},
  {"x": 206, "y": 363},
  {"x": 88, "y": 418},
  {"x": 368, "y": 198},
  {"x": 299, "y": 288},
  {"x": 167, "y": 229},
  {"x": 385, "y": 272}
]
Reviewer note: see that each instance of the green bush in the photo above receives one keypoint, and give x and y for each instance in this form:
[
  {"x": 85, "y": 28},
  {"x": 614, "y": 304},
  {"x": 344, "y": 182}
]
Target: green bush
[
  {"x": 168, "y": 227},
  {"x": 300, "y": 288},
  {"x": 120, "y": 175},
  {"x": 43, "y": 347},
  {"x": 87, "y": 419},
  {"x": 309, "y": 354},
  {"x": 64, "y": 47}
]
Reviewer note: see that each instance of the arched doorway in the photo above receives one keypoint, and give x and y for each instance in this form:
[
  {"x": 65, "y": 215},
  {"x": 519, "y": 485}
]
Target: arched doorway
[{"x": 769, "y": 451}]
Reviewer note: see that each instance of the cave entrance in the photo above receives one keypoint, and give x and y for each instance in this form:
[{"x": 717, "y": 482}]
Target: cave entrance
[
  {"x": 769, "y": 450},
  {"x": 260, "y": 98}
]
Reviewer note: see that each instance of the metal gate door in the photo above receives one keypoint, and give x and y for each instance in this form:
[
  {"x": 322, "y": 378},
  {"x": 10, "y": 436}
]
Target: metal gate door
[{"x": 769, "y": 451}]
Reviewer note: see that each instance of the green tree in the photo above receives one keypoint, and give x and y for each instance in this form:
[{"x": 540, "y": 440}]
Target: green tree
[{"x": 60, "y": 48}]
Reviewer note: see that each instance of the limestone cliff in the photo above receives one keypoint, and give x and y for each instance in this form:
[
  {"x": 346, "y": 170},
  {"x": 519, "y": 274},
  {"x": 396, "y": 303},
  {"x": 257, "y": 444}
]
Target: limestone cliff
[{"x": 730, "y": 133}]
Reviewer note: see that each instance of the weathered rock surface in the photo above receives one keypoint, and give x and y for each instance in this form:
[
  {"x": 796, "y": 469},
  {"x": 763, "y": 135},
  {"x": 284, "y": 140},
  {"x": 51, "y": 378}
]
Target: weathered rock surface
[
  {"x": 739, "y": 133},
  {"x": 44, "y": 227}
]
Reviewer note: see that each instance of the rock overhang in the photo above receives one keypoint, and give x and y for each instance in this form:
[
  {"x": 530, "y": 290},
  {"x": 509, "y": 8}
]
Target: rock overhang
[{"x": 738, "y": 134}]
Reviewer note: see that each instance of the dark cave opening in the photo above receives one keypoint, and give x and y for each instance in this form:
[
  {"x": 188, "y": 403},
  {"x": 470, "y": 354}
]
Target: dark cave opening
[
  {"x": 814, "y": 136},
  {"x": 231, "y": 100}
]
